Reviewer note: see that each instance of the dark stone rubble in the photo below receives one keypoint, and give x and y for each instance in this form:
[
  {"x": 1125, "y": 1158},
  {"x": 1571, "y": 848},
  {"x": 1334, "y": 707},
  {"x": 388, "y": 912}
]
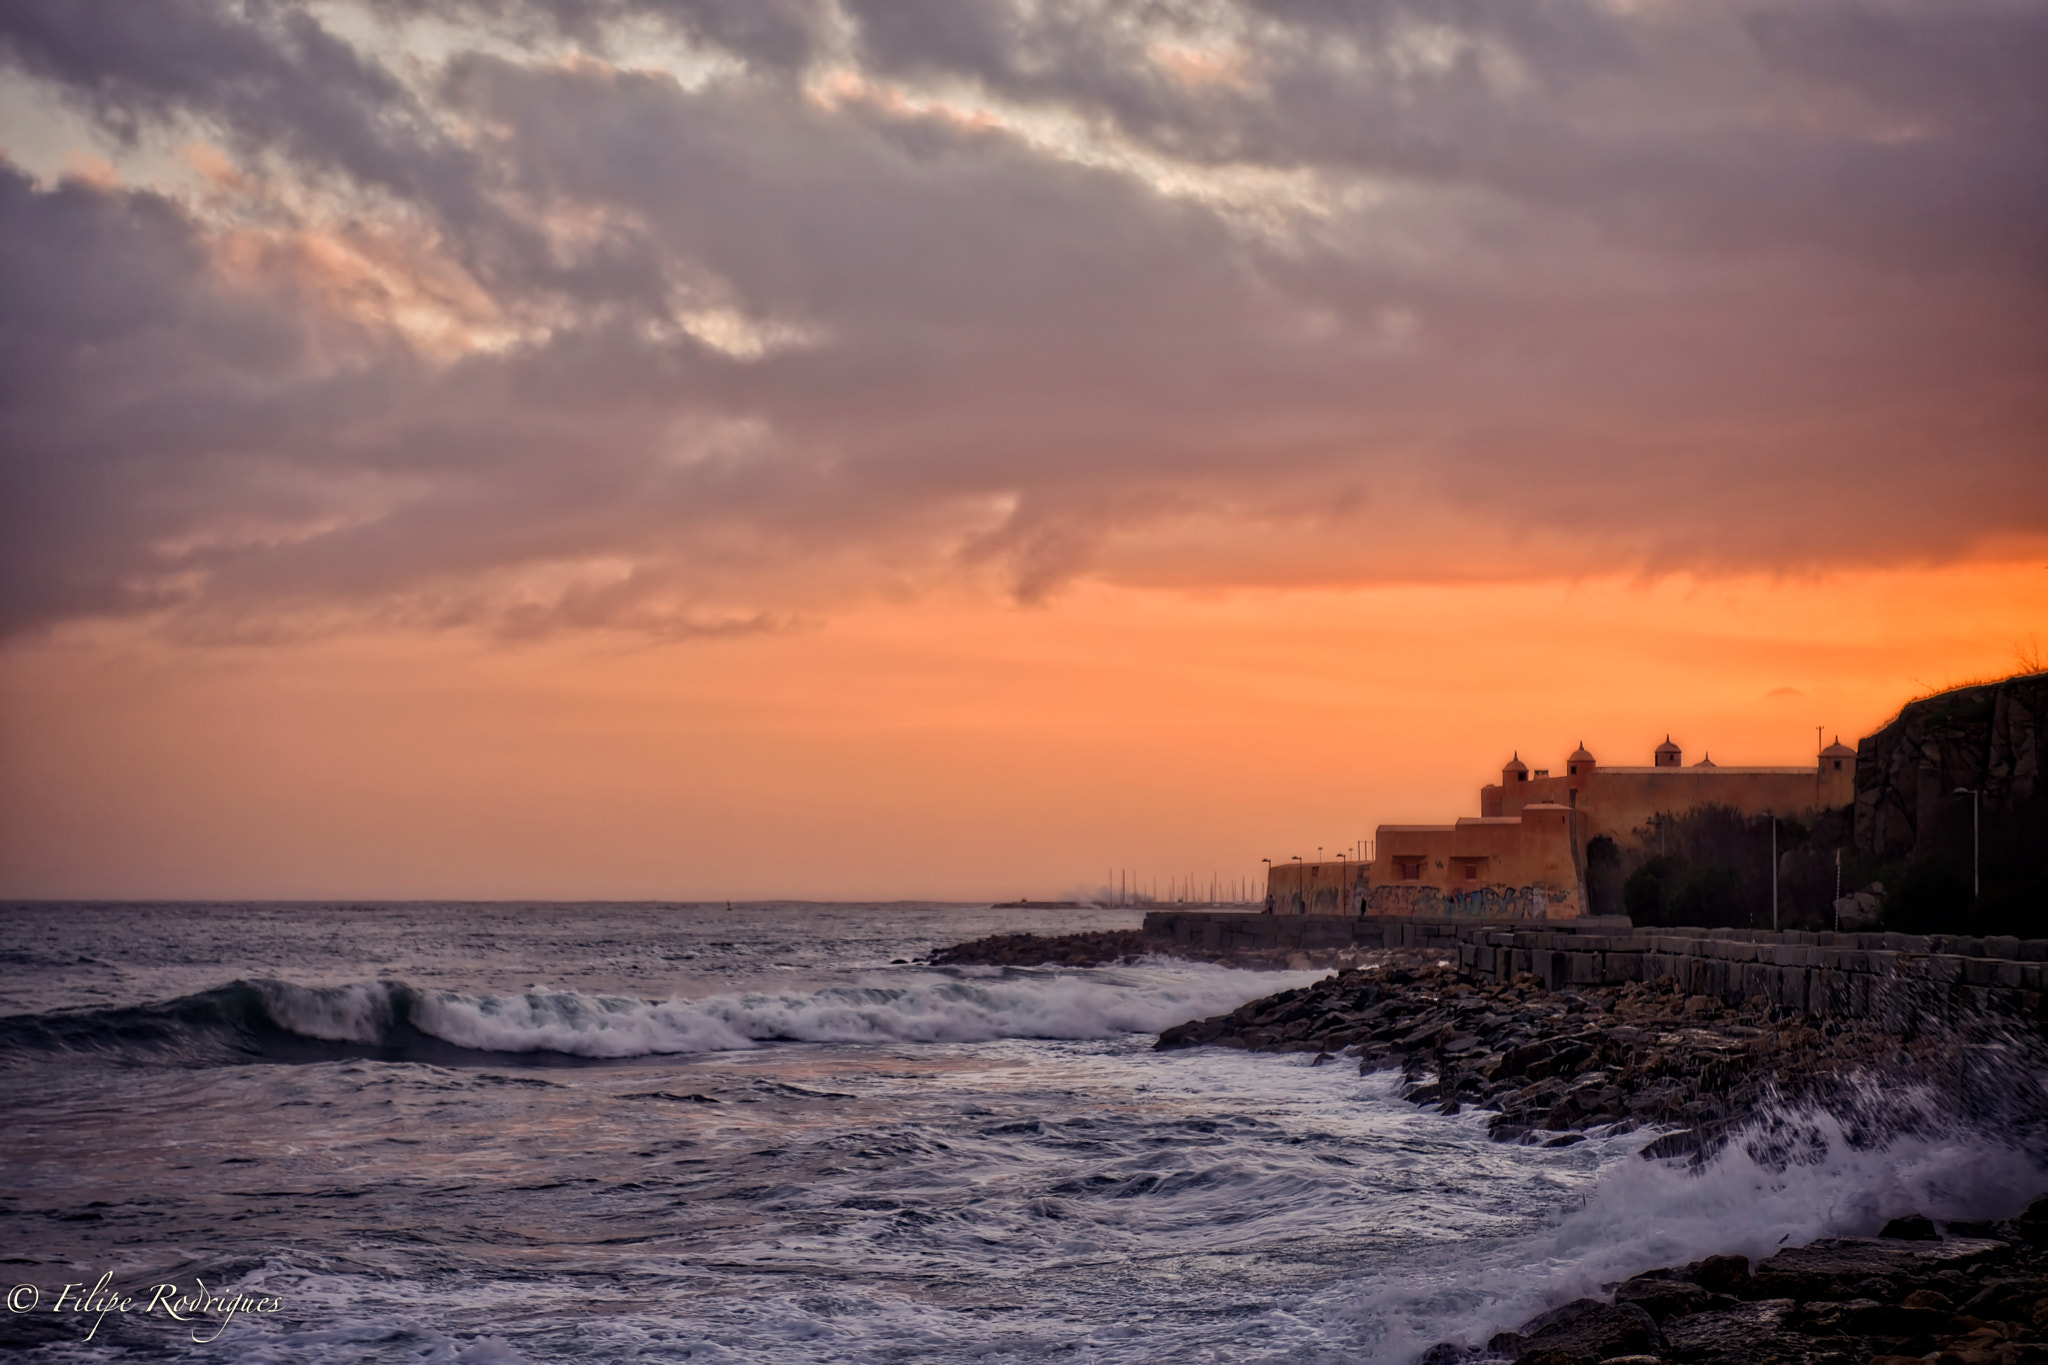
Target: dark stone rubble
[
  {"x": 1102, "y": 948},
  {"x": 1558, "y": 1065},
  {"x": 1964, "y": 1294}
]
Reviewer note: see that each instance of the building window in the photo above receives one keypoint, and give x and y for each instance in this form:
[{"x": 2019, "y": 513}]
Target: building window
[
  {"x": 1838, "y": 765},
  {"x": 1571, "y": 770},
  {"x": 1410, "y": 869},
  {"x": 1524, "y": 777},
  {"x": 1472, "y": 868}
]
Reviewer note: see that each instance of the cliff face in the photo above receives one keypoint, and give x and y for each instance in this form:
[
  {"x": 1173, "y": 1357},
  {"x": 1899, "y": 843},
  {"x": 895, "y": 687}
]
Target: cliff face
[{"x": 1987, "y": 738}]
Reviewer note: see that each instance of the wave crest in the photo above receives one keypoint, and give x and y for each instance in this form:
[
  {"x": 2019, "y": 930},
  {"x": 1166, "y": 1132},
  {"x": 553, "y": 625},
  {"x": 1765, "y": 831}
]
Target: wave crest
[{"x": 281, "y": 1020}]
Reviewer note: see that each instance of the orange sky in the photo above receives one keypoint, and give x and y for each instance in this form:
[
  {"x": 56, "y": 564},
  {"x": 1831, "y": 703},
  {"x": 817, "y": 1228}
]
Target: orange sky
[
  {"x": 955, "y": 450},
  {"x": 934, "y": 748}
]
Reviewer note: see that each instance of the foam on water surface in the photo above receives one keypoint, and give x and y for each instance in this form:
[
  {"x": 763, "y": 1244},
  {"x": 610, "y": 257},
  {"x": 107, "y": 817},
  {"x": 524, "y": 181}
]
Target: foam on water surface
[{"x": 872, "y": 1164}]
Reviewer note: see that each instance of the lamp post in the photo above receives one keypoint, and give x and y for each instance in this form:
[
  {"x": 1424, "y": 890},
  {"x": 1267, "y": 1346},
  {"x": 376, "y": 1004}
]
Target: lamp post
[
  {"x": 1774, "y": 874},
  {"x": 1976, "y": 863}
]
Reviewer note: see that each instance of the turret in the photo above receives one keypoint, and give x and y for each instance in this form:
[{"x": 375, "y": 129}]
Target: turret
[
  {"x": 1580, "y": 764},
  {"x": 1515, "y": 771},
  {"x": 1668, "y": 754},
  {"x": 1706, "y": 761},
  {"x": 1835, "y": 781}
]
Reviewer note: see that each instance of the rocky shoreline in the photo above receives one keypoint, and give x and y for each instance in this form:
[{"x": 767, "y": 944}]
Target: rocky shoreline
[
  {"x": 1108, "y": 947},
  {"x": 1102, "y": 948},
  {"x": 1558, "y": 1066},
  {"x": 1918, "y": 1294}
]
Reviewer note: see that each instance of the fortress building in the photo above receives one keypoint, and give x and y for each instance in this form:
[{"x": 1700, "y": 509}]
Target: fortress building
[
  {"x": 1524, "y": 855},
  {"x": 1618, "y": 801}
]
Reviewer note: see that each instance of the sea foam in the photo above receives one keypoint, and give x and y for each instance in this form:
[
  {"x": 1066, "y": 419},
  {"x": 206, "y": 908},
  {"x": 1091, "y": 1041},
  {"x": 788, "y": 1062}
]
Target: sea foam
[{"x": 925, "y": 1007}]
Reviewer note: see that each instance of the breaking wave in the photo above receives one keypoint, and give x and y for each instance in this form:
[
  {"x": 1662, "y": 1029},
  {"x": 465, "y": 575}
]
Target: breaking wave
[
  {"x": 271, "y": 1020},
  {"x": 1874, "y": 1150}
]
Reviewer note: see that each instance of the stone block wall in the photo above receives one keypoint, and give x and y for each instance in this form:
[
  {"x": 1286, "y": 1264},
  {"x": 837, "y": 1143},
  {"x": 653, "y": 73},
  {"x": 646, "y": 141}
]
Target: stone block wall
[{"x": 1894, "y": 977}]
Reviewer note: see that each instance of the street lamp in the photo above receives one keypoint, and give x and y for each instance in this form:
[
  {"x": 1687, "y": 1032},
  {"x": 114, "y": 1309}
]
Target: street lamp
[
  {"x": 1976, "y": 863},
  {"x": 1774, "y": 872}
]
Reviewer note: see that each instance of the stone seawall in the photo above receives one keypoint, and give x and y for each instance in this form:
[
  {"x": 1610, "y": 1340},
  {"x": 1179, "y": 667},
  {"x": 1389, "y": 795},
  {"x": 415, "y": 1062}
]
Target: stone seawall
[{"x": 1866, "y": 976}]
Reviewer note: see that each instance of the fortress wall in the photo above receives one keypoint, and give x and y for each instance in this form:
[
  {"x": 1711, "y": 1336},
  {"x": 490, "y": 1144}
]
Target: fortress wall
[
  {"x": 1522, "y": 867},
  {"x": 1898, "y": 978},
  {"x": 1333, "y": 888},
  {"x": 1499, "y": 902},
  {"x": 1618, "y": 801}
]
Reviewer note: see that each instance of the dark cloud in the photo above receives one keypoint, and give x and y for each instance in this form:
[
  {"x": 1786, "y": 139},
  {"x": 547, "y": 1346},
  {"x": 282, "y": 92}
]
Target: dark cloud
[{"x": 1367, "y": 290}]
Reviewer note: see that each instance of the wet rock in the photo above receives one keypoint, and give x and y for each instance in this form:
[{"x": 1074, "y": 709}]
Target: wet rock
[
  {"x": 1101, "y": 948},
  {"x": 1753, "y": 1332},
  {"x": 1834, "y": 1267},
  {"x": 1723, "y": 1275},
  {"x": 1667, "y": 1294},
  {"x": 2032, "y": 1225},
  {"x": 1448, "y": 1353},
  {"x": 1582, "y": 1332}
]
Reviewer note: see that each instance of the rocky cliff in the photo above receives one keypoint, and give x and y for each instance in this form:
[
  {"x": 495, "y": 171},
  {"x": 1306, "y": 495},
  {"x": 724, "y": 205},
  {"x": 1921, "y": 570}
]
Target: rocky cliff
[{"x": 1986, "y": 738}]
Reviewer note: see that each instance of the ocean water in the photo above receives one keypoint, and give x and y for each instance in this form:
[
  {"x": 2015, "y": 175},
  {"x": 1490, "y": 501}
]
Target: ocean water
[{"x": 496, "y": 1133}]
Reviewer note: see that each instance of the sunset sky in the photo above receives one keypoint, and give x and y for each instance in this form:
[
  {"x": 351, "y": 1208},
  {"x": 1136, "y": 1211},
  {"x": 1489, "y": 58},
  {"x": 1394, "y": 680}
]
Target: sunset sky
[{"x": 956, "y": 448}]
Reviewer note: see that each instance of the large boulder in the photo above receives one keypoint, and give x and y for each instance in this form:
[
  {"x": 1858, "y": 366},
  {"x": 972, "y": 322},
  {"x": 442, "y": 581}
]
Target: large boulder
[
  {"x": 1584, "y": 1330},
  {"x": 1746, "y": 1335},
  {"x": 1833, "y": 1267},
  {"x": 1668, "y": 1294}
]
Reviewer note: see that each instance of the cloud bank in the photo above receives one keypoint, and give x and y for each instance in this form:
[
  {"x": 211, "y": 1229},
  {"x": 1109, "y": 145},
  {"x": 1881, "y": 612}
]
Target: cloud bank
[{"x": 701, "y": 316}]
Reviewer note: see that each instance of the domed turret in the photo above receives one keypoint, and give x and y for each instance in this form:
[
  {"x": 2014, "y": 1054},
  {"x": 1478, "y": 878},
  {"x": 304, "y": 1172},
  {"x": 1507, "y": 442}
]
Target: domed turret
[
  {"x": 1837, "y": 757},
  {"x": 1580, "y": 764},
  {"x": 1706, "y": 761},
  {"x": 1668, "y": 754},
  {"x": 1515, "y": 771}
]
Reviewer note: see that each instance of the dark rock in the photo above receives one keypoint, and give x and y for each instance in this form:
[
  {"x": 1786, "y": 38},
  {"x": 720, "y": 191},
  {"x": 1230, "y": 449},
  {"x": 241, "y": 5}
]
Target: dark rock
[
  {"x": 1753, "y": 1332},
  {"x": 1684, "y": 1142},
  {"x": 1912, "y": 1228},
  {"x": 1864, "y": 1318},
  {"x": 1723, "y": 1275},
  {"x": 2002, "y": 1299},
  {"x": 1031, "y": 950},
  {"x": 1581, "y": 1332},
  {"x": 1448, "y": 1353},
  {"x": 2032, "y": 1225},
  {"x": 1518, "y": 1059},
  {"x": 1834, "y": 1266},
  {"x": 1664, "y": 1294},
  {"x": 1876, "y": 1287}
]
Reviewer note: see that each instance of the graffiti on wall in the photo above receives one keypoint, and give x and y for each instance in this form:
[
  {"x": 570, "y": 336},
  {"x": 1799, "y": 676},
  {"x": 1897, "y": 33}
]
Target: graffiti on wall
[{"x": 1486, "y": 902}]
